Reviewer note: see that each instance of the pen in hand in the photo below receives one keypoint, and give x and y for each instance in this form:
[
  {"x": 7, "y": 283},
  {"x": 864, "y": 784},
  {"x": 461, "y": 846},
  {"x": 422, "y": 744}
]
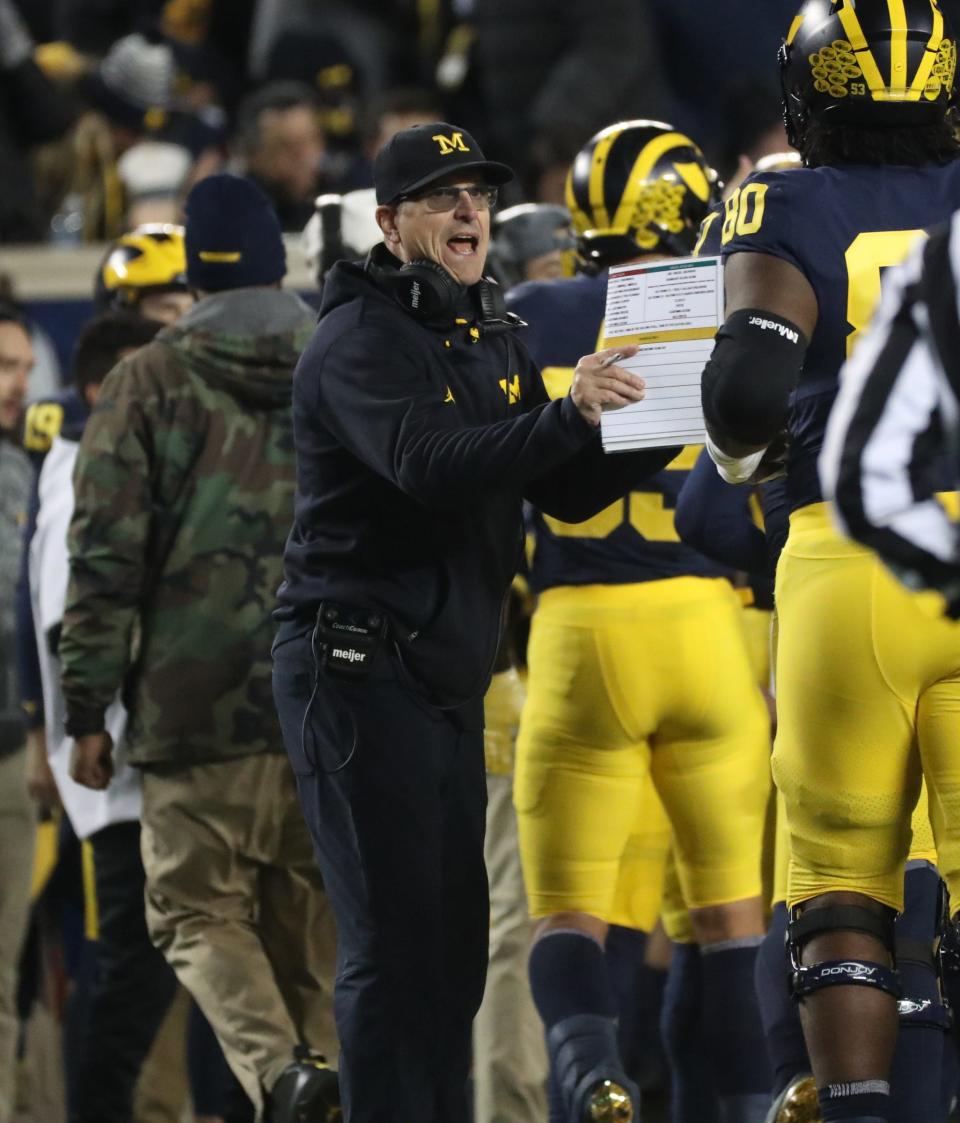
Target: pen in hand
[{"x": 610, "y": 360}]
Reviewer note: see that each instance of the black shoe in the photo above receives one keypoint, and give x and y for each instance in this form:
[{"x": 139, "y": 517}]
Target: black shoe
[{"x": 307, "y": 1092}]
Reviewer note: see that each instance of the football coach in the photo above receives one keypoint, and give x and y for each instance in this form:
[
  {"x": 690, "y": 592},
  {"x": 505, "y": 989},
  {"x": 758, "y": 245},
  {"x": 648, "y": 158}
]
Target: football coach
[{"x": 421, "y": 426}]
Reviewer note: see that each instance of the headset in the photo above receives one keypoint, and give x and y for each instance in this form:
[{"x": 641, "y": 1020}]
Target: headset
[{"x": 427, "y": 292}]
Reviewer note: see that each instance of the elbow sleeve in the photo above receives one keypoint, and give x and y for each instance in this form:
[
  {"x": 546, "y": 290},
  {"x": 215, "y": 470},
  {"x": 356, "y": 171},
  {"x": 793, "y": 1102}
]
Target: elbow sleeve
[{"x": 746, "y": 386}]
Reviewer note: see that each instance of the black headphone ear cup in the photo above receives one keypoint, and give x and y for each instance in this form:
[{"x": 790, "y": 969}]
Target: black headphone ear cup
[
  {"x": 425, "y": 290},
  {"x": 493, "y": 306}
]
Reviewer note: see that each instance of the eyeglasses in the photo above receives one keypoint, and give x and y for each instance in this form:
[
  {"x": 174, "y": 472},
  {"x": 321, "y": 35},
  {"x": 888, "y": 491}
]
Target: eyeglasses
[{"x": 446, "y": 198}]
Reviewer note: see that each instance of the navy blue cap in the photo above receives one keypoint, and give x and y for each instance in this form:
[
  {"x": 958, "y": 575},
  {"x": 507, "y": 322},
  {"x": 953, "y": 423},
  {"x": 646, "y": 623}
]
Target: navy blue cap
[
  {"x": 416, "y": 157},
  {"x": 233, "y": 237}
]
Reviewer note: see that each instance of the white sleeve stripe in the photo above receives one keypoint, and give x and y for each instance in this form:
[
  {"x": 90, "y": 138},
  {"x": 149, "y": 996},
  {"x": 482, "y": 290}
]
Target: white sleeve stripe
[
  {"x": 888, "y": 499},
  {"x": 954, "y": 257}
]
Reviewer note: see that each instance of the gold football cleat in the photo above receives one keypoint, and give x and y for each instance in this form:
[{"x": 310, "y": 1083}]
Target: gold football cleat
[
  {"x": 797, "y": 1103},
  {"x": 608, "y": 1102}
]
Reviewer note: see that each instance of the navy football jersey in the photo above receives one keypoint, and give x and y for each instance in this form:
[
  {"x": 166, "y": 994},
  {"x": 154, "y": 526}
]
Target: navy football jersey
[
  {"x": 708, "y": 236},
  {"x": 67, "y": 412},
  {"x": 841, "y": 227},
  {"x": 633, "y": 539}
]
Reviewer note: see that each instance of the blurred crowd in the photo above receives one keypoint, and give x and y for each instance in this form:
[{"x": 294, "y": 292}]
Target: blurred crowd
[{"x": 110, "y": 110}]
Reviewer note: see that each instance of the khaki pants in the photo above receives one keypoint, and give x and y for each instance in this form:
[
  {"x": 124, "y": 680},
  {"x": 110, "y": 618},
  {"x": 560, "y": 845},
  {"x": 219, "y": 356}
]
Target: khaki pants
[
  {"x": 17, "y": 833},
  {"x": 510, "y": 1062},
  {"x": 236, "y": 904}
]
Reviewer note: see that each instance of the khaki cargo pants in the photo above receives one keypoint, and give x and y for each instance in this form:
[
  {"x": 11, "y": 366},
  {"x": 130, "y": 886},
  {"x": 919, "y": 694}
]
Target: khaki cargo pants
[{"x": 236, "y": 904}]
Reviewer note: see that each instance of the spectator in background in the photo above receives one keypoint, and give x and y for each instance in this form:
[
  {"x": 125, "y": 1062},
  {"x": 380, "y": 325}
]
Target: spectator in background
[
  {"x": 33, "y": 111},
  {"x": 190, "y": 451},
  {"x": 319, "y": 59},
  {"x": 17, "y": 815},
  {"x": 752, "y": 130},
  {"x": 146, "y": 271},
  {"x": 93, "y": 26},
  {"x": 532, "y": 242},
  {"x": 387, "y": 115},
  {"x": 132, "y": 154},
  {"x": 540, "y": 64},
  {"x": 212, "y": 39},
  {"x": 551, "y": 154},
  {"x": 281, "y": 146},
  {"x": 726, "y": 49},
  {"x": 396, "y": 110},
  {"x": 45, "y": 374},
  {"x": 366, "y": 38}
]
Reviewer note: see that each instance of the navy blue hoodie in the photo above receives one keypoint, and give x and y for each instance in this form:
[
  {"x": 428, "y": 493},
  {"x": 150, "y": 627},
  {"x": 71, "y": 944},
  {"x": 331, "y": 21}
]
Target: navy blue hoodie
[{"x": 416, "y": 446}]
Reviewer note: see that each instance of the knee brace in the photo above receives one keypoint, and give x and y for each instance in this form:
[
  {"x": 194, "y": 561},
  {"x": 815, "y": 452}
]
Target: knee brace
[{"x": 803, "y": 926}]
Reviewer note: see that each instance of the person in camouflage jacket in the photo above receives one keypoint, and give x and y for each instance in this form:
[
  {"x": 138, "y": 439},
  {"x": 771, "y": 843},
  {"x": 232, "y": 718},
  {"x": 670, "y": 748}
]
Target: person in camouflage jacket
[{"x": 184, "y": 489}]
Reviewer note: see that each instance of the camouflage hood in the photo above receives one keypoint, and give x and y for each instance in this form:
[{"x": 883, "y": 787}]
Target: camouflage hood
[{"x": 245, "y": 341}]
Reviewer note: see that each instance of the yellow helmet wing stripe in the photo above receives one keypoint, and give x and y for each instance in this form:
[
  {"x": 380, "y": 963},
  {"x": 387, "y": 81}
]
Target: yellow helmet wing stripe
[
  {"x": 598, "y": 168},
  {"x": 692, "y": 175},
  {"x": 899, "y": 79},
  {"x": 794, "y": 28},
  {"x": 573, "y": 203},
  {"x": 868, "y": 64},
  {"x": 919, "y": 82},
  {"x": 642, "y": 167}
]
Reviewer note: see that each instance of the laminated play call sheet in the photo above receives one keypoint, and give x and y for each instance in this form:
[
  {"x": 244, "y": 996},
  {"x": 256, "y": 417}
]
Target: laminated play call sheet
[{"x": 672, "y": 310}]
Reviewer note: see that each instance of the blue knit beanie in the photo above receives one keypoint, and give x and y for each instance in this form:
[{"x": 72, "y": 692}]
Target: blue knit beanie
[{"x": 233, "y": 236}]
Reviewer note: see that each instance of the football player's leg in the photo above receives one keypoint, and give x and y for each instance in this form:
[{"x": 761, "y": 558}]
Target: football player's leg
[
  {"x": 778, "y": 1010},
  {"x": 794, "y": 1089},
  {"x": 710, "y": 762},
  {"x": 577, "y": 805},
  {"x": 916, "y": 1084},
  {"x": 693, "y": 1093},
  {"x": 844, "y": 761},
  {"x": 632, "y": 942},
  {"x": 937, "y": 724},
  {"x": 921, "y": 1088}
]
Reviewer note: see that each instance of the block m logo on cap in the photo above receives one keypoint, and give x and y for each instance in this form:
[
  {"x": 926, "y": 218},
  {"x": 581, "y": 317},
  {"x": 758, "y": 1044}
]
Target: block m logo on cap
[{"x": 450, "y": 144}]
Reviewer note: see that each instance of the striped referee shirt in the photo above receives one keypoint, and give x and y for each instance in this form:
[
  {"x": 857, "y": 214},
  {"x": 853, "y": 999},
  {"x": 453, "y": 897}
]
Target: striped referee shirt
[{"x": 894, "y": 433}]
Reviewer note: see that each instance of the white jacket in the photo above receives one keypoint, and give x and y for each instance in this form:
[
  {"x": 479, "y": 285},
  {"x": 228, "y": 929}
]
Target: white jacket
[{"x": 88, "y": 811}]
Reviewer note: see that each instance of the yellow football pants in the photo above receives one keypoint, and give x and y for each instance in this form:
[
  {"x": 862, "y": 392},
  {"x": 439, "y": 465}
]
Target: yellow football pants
[
  {"x": 626, "y": 684},
  {"x": 868, "y": 701},
  {"x": 674, "y": 913}
]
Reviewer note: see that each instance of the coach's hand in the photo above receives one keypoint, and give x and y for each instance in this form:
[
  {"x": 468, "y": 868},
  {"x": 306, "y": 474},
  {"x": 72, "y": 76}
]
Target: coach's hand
[
  {"x": 599, "y": 382},
  {"x": 91, "y": 762}
]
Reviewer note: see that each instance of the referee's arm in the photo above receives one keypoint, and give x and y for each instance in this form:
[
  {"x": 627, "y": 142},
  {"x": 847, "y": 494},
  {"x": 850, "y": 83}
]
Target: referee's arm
[{"x": 886, "y": 431}]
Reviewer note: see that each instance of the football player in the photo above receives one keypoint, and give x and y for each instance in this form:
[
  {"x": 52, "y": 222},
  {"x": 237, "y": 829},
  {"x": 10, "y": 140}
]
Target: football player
[
  {"x": 638, "y": 669},
  {"x": 868, "y": 93},
  {"x": 531, "y": 242},
  {"x": 145, "y": 271}
]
